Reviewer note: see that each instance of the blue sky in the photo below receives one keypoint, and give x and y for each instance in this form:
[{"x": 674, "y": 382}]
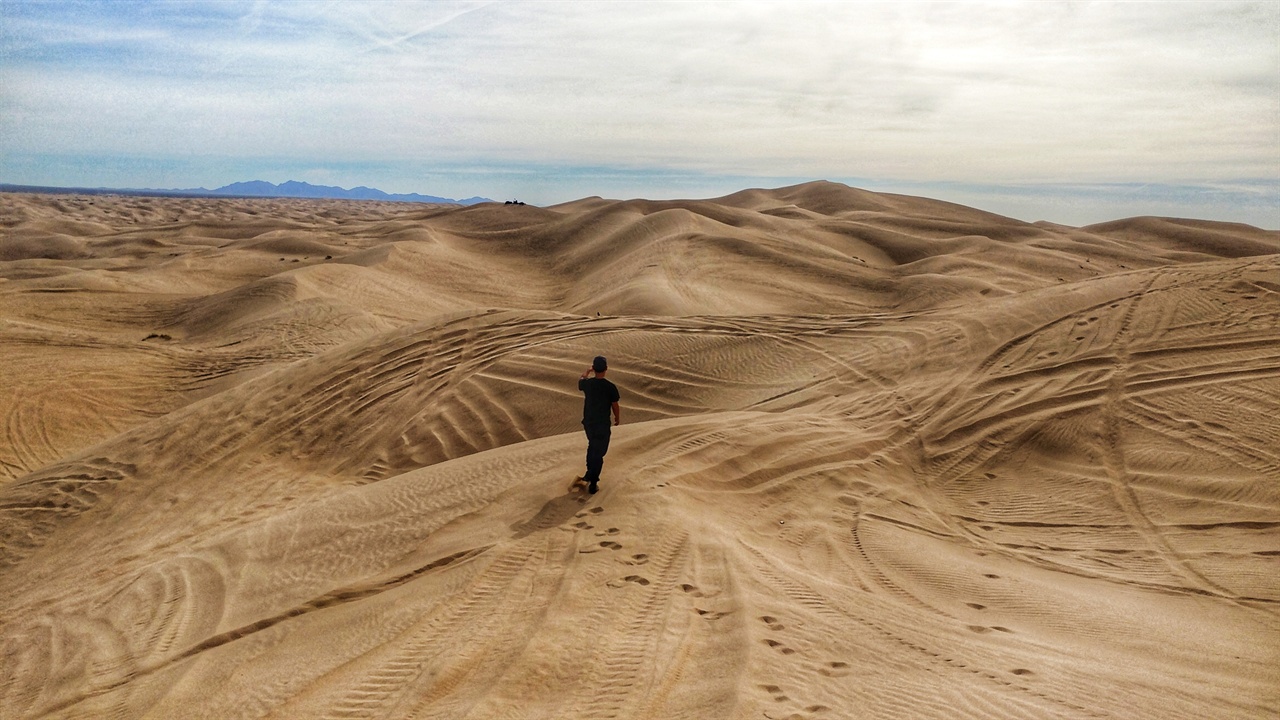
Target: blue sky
[{"x": 1064, "y": 111}]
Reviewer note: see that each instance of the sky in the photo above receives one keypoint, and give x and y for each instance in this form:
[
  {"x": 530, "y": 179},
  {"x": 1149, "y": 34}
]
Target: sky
[{"x": 1072, "y": 112}]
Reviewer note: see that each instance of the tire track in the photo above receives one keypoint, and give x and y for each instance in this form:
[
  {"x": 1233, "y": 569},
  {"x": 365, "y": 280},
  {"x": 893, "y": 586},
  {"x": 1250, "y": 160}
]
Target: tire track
[
  {"x": 381, "y": 688},
  {"x": 881, "y": 579},
  {"x": 485, "y": 655},
  {"x": 337, "y": 597},
  {"x": 1114, "y": 461},
  {"x": 710, "y": 660},
  {"x": 805, "y": 595},
  {"x": 1231, "y": 448},
  {"x": 623, "y": 662}
]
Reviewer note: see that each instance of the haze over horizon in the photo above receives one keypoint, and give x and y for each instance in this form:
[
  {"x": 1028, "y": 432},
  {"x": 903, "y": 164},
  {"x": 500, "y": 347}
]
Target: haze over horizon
[{"x": 1070, "y": 112}]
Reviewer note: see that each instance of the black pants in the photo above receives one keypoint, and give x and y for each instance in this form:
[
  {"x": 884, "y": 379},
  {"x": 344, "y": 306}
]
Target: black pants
[{"x": 597, "y": 446}]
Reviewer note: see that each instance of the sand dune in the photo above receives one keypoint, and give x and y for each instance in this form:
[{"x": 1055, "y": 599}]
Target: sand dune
[{"x": 881, "y": 456}]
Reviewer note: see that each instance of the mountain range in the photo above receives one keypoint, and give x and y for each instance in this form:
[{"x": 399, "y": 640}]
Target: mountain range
[
  {"x": 261, "y": 188},
  {"x": 293, "y": 188}
]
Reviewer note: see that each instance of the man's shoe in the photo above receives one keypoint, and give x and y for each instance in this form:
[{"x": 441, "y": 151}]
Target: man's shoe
[{"x": 592, "y": 488}]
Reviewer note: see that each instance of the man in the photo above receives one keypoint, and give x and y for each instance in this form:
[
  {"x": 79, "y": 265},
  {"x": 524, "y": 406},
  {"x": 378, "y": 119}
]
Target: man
[{"x": 600, "y": 398}]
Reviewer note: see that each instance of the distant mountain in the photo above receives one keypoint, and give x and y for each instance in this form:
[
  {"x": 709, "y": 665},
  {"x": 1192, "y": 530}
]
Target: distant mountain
[
  {"x": 255, "y": 188},
  {"x": 295, "y": 189}
]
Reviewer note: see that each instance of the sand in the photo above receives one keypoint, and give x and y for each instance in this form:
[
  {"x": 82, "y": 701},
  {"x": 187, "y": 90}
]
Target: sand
[{"x": 881, "y": 457}]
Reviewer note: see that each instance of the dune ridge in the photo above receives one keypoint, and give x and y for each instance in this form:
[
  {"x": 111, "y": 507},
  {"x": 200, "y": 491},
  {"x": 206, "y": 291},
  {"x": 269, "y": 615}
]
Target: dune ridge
[{"x": 881, "y": 456}]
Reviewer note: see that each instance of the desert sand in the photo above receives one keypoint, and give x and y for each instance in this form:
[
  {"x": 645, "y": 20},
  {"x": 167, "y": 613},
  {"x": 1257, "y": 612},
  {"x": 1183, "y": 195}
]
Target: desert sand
[{"x": 881, "y": 457}]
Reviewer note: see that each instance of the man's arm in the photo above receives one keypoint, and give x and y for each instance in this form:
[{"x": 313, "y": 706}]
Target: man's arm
[{"x": 617, "y": 414}]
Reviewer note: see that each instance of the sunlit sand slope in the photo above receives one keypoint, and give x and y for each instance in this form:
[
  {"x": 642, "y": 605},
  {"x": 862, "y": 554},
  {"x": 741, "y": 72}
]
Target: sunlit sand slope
[{"x": 881, "y": 456}]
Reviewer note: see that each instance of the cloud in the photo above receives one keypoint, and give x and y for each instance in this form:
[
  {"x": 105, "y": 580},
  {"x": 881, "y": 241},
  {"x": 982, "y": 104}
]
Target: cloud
[{"x": 947, "y": 92}]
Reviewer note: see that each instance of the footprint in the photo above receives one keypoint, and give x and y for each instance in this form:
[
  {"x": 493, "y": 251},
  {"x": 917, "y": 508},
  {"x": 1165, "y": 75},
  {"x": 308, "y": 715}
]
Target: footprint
[
  {"x": 1021, "y": 671},
  {"x": 772, "y": 622},
  {"x": 776, "y": 692},
  {"x": 779, "y": 647},
  {"x": 596, "y": 510},
  {"x": 636, "y": 579},
  {"x": 977, "y": 606},
  {"x": 979, "y": 629},
  {"x": 989, "y": 575},
  {"x": 611, "y": 545},
  {"x": 582, "y": 526},
  {"x": 834, "y": 669},
  {"x": 691, "y": 590},
  {"x": 998, "y": 628}
]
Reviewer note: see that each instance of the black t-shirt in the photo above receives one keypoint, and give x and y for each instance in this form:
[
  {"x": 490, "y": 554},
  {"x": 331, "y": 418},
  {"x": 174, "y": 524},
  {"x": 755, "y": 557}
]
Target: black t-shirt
[{"x": 598, "y": 403}]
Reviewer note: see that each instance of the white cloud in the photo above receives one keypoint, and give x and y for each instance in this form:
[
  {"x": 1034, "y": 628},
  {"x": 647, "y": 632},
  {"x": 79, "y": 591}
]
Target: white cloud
[{"x": 966, "y": 92}]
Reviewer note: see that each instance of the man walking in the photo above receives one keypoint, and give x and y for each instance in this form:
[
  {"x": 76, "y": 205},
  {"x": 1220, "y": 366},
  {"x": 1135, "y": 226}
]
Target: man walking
[{"x": 600, "y": 398}]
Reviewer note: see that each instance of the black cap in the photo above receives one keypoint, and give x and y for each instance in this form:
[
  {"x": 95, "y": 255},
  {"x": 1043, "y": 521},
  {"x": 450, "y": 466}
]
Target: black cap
[{"x": 599, "y": 364}]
